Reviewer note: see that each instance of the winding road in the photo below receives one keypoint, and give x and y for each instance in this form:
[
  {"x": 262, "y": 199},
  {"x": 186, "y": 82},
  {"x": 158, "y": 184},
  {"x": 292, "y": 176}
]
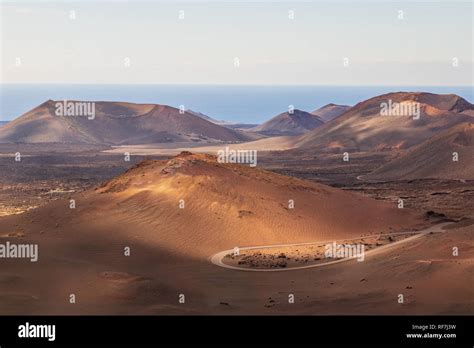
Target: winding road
[{"x": 216, "y": 259}]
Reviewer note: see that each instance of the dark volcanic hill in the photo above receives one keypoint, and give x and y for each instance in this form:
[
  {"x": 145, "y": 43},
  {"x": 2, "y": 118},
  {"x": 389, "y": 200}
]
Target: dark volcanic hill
[
  {"x": 208, "y": 118},
  {"x": 116, "y": 123},
  {"x": 434, "y": 158},
  {"x": 298, "y": 122},
  {"x": 364, "y": 127},
  {"x": 330, "y": 111}
]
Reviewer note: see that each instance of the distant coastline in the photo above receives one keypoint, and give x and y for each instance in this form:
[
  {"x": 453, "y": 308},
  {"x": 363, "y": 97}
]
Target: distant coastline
[{"x": 233, "y": 103}]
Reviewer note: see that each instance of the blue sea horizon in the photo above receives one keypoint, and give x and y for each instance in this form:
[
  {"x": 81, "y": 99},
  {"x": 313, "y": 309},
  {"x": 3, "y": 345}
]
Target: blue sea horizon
[{"x": 233, "y": 103}]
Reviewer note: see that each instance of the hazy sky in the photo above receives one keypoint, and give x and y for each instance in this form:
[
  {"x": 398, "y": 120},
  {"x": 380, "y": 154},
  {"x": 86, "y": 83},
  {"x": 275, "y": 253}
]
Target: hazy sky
[{"x": 42, "y": 43}]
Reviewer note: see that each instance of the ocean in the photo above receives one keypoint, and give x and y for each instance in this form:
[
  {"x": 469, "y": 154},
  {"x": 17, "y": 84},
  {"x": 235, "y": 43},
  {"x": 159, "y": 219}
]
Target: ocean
[{"x": 237, "y": 103}]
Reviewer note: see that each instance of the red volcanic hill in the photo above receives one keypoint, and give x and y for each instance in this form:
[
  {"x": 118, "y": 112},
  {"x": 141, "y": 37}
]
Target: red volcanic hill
[
  {"x": 116, "y": 123},
  {"x": 364, "y": 128},
  {"x": 434, "y": 158},
  {"x": 224, "y": 205},
  {"x": 330, "y": 111},
  {"x": 286, "y": 123},
  {"x": 227, "y": 205}
]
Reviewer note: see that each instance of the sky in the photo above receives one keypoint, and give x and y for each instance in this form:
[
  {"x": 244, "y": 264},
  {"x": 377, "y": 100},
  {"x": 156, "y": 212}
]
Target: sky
[{"x": 248, "y": 43}]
